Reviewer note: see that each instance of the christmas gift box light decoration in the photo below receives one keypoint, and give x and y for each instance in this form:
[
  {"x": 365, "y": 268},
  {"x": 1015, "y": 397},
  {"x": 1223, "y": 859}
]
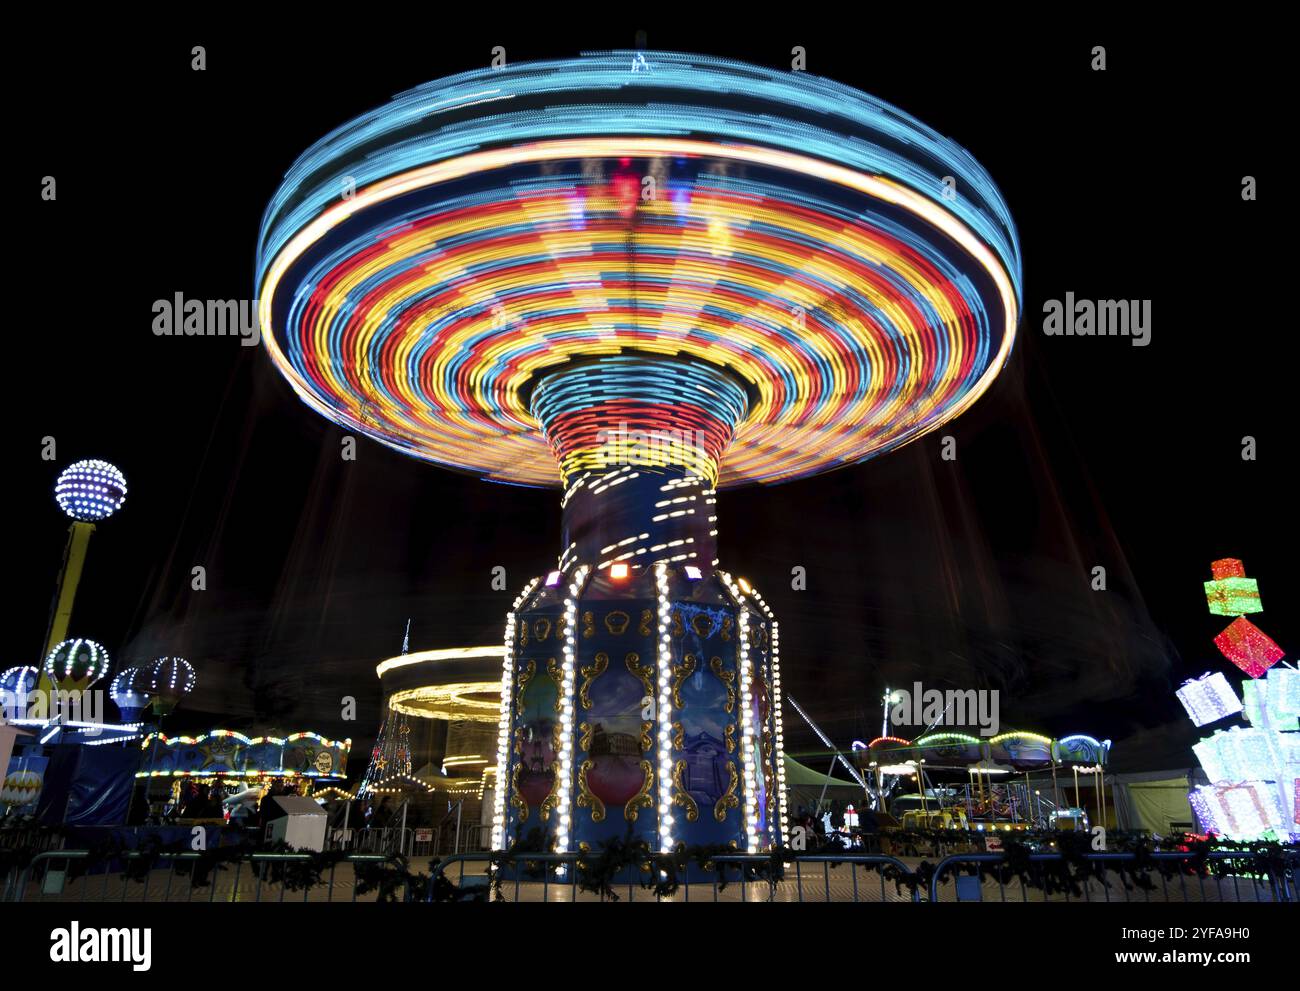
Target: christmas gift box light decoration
[
  {"x": 1248, "y": 647},
  {"x": 1228, "y": 567},
  {"x": 663, "y": 283},
  {"x": 1209, "y": 698},
  {"x": 1233, "y": 596},
  {"x": 1245, "y": 811},
  {"x": 1284, "y": 690},
  {"x": 1264, "y": 705}
]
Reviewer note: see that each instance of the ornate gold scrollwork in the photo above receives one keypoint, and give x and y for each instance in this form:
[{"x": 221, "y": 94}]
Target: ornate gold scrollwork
[
  {"x": 586, "y": 799},
  {"x": 616, "y": 622},
  {"x": 680, "y": 673},
  {"x": 765, "y": 744},
  {"x": 702, "y": 624},
  {"x": 643, "y": 671},
  {"x": 590, "y": 672},
  {"x": 679, "y": 736},
  {"x": 588, "y": 624},
  {"x": 557, "y": 675},
  {"x": 728, "y": 679},
  {"x": 523, "y": 633},
  {"x": 584, "y": 741},
  {"x": 727, "y": 623},
  {"x": 519, "y": 741},
  {"x": 551, "y": 800},
  {"x": 647, "y": 617},
  {"x": 541, "y": 629},
  {"x": 728, "y": 799},
  {"x": 678, "y": 629},
  {"x": 516, "y": 798},
  {"x": 682, "y": 797},
  {"x": 729, "y": 735},
  {"x": 647, "y": 741},
  {"x": 525, "y": 676},
  {"x": 642, "y": 798}
]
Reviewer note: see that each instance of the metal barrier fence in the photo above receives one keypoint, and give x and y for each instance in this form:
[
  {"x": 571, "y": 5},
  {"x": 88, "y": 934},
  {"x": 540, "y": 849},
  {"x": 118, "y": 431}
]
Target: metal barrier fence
[
  {"x": 262, "y": 877},
  {"x": 538, "y": 877},
  {"x": 554, "y": 877},
  {"x": 1107, "y": 881}
]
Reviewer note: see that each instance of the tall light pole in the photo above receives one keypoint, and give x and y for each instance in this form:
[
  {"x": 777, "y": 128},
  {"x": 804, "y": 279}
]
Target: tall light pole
[{"x": 88, "y": 491}]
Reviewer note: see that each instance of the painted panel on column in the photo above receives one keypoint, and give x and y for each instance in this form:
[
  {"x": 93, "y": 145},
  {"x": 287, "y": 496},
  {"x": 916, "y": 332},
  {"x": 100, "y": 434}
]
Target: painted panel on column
[{"x": 706, "y": 707}]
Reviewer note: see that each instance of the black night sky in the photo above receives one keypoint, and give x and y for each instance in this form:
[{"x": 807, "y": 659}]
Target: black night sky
[{"x": 976, "y": 573}]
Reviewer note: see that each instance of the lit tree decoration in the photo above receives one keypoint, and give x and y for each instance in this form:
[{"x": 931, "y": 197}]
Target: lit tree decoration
[
  {"x": 167, "y": 680},
  {"x": 1254, "y": 772},
  {"x": 389, "y": 770},
  {"x": 90, "y": 491},
  {"x": 125, "y": 696},
  {"x": 75, "y": 664}
]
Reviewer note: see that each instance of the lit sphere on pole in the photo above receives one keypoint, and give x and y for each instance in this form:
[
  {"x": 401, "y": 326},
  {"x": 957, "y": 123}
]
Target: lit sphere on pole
[
  {"x": 91, "y": 490},
  {"x": 75, "y": 661}
]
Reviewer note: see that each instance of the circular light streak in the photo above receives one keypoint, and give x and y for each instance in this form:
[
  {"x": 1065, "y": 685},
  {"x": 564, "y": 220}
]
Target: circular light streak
[
  {"x": 424, "y": 266},
  {"x": 90, "y": 490},
  {"x": 76, "y": 661}
]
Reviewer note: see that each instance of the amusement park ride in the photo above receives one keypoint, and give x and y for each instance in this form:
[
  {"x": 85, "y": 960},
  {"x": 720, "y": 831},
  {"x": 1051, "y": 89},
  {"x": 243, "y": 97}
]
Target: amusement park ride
[{"x": 646, "y": 277}]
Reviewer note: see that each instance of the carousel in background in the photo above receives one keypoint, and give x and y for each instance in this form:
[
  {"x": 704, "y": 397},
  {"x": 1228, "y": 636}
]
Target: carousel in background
[
  {"x": 437, "y": 740},
  {"x": 1013, "y": 781}
]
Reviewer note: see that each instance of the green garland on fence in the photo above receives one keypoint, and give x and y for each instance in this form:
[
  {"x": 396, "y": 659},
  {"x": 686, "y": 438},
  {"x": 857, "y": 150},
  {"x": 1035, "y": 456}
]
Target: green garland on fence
[
  {"x": 390, "y": 877},
  {"x": 1259, "y": 859},
  {"x": 599, "y": 872}
]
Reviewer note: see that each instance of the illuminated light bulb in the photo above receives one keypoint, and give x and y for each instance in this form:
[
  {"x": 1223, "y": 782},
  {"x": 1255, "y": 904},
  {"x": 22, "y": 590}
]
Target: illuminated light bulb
[{"x": 618, "y": 571}]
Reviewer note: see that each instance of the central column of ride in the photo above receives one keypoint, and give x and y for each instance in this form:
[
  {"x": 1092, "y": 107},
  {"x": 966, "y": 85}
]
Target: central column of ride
[
  {"x": 640, "y": 692},
  {"x": 638, "y": 439}
]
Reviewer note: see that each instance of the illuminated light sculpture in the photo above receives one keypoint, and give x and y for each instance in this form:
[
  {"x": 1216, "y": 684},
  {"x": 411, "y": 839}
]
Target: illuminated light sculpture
[
  {"x": 1247, "y": 810},
  {"x": 1233, "y": 596},
  {"x": 667, "y": 283},
  {"x": 129, "y": 701},
  {"x": 1209, "y": 698},
  {"x": 1265, "y": 702},
  {"x": 90, "y": 491},
  {"x": 1228, "y": 567},
  {"x": 1248, "y": 647},
  {"x": 75, "y": 665},
  {"x": 16, "y": 685},
  {"x": 166, "y": 680}
]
